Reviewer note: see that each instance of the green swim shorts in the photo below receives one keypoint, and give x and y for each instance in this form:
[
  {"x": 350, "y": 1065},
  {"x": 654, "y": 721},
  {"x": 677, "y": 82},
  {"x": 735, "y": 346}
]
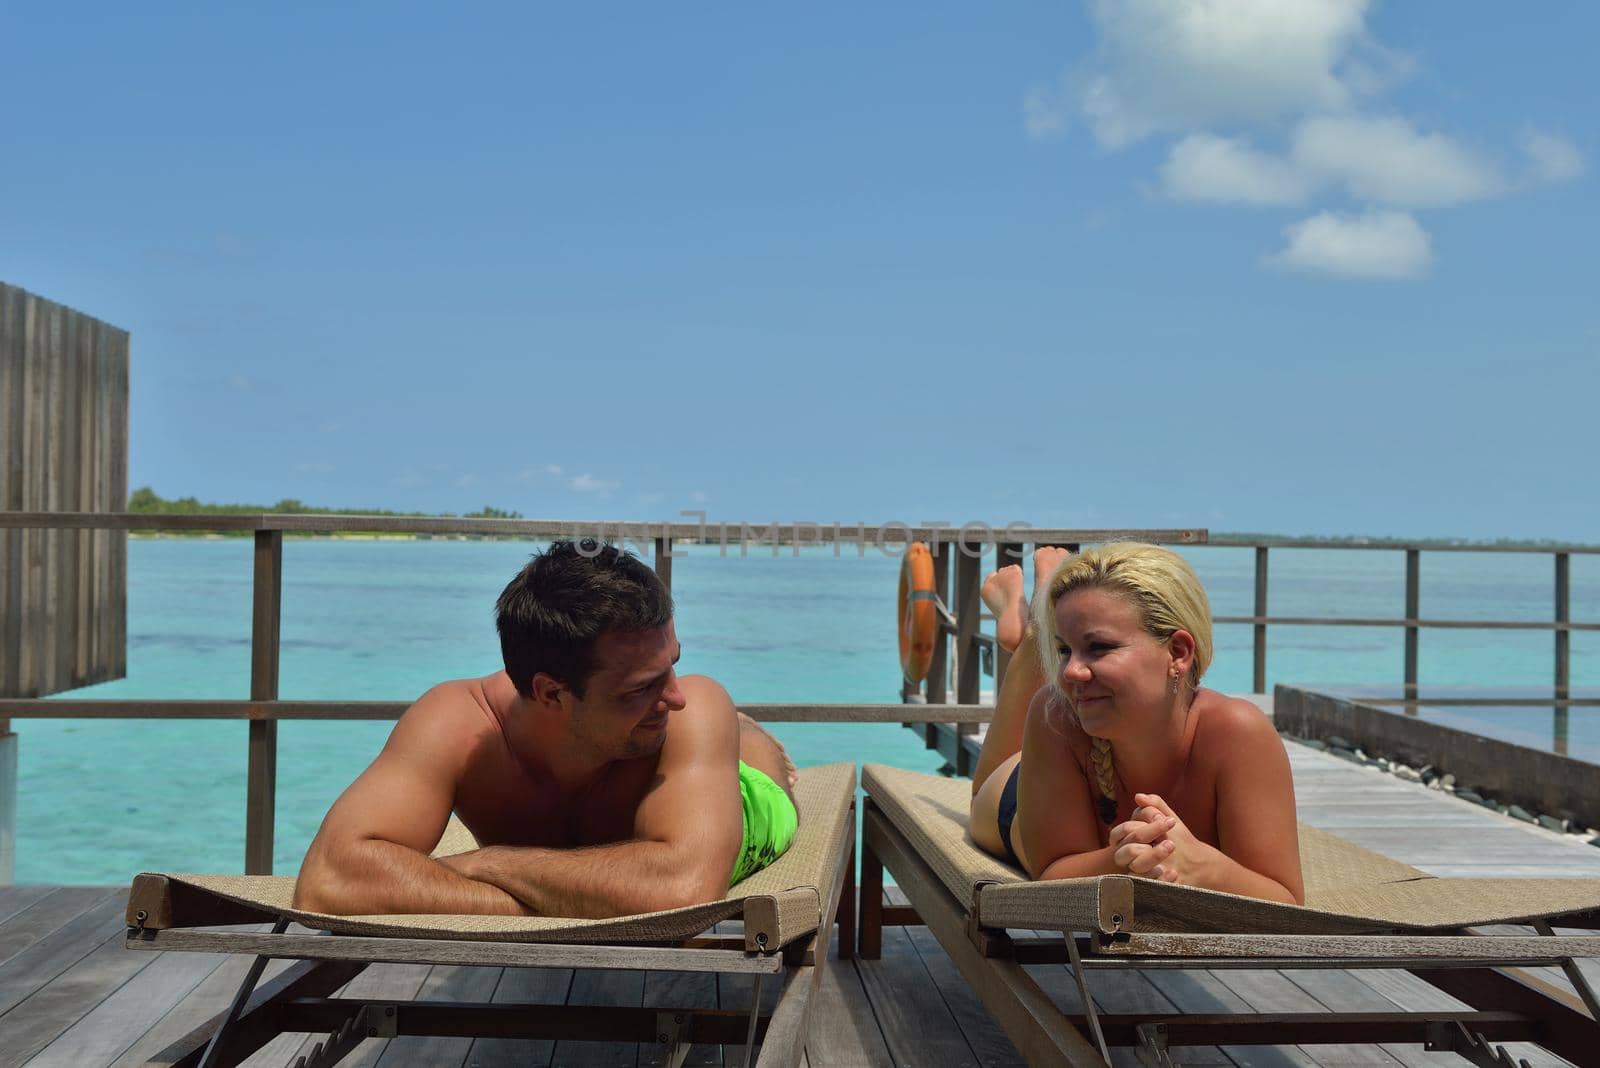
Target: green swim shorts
[{"x": 769, "y": 822}]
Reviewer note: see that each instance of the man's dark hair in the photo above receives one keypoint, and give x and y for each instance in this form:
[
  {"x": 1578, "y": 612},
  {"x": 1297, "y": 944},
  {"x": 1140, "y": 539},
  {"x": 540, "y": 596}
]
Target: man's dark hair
[{"x": 553, "y": 612}]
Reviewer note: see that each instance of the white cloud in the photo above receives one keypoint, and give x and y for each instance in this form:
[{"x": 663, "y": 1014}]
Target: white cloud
[
  {"x": 1381, "y": 160},
  {"x": 542, "y": 473},
  {"x": 1044, "y": 113},
  {"x": 1377, "y": 244},
  {"x": 1162, "y": 65},
  {"x": 1552, "y": 157},
  {"x": 1386, "y": 160},
  {"x": 699, "y": 496},
  {"x": 1228, "y": 170},
  {"x": 587, "y": 483}
]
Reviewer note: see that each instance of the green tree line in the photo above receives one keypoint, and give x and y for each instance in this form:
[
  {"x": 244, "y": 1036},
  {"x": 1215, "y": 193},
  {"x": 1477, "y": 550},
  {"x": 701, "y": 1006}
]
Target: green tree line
[{"x": 146, "y": 501}]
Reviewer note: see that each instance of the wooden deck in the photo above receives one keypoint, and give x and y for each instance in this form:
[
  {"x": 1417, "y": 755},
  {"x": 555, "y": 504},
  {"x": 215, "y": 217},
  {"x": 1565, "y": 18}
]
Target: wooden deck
[{"x": 72, "y": 995}]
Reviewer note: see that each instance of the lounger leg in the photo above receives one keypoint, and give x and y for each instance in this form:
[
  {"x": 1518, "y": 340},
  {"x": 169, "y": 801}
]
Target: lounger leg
[
  {"x": 871, "y": 899},
  {"x": 1575, "y": 976},
  {"x": 755, "y": 1018},
  {"x": 846, "y": 915},
  {"x": 214, "y": 1048},
  {"x": 1082, "y": 976}
]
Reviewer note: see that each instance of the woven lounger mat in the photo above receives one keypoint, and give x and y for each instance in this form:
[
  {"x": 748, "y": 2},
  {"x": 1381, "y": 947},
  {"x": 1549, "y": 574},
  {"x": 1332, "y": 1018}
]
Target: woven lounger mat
[
  {"x": 791, "y": 885},
  {"x": 1348, "y": 889}
]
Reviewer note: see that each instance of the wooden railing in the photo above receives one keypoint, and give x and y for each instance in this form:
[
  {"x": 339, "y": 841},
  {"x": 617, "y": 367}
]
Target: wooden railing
[{"x": 264, "y": 710}]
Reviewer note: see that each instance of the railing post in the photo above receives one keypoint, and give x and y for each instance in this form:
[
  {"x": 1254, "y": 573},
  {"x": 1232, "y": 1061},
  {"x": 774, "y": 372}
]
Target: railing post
[
  {"x": 1259, "y": 683},
  {"x": 939, "y": 665},
  {"x": 1563, "y": 649},
  {"x": 262, "y": 786},
  {"x": 1413, "y": 610},
  {"x": 664, "y": 562},
  {"x": 969, "y": 669},
  {"x": 8, "y": 804}
]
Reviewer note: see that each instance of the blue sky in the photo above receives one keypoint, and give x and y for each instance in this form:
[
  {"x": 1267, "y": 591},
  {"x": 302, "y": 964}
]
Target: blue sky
[{"x": 1300, "y": 266}]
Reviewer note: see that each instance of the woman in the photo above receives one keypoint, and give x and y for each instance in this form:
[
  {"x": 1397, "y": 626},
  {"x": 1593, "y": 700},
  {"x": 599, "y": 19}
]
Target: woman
[{"x": 1105, "y": 756}]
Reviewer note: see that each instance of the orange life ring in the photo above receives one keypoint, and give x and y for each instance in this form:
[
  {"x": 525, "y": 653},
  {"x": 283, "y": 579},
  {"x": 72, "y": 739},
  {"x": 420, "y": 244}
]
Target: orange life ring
[{"x": 918, "y": 617}]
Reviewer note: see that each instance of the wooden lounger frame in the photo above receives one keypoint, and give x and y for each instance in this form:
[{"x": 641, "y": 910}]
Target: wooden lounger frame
[
  {"x": 1508, "y": 1005},
  {"x": 300, "y": 998}
]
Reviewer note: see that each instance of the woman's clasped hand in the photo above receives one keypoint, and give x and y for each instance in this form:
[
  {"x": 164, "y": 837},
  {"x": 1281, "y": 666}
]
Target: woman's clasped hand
[{"x": 1156, "y": 844}]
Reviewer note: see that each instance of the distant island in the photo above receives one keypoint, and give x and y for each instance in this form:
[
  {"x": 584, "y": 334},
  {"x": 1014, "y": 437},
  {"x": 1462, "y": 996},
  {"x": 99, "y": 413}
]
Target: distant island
[{"x": 146, "y": 501}]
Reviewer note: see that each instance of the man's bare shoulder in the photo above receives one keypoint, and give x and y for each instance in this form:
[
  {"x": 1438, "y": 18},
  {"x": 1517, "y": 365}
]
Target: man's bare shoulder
[
  {"x": 455, "y": 713},
  {"x": 709, "y": 718}
]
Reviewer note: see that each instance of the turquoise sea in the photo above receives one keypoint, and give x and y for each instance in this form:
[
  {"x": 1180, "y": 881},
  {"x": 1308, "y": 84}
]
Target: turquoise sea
[{"x": 384, "y": 620}]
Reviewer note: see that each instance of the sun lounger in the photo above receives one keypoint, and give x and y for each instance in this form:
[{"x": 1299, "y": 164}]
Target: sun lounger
[
  {"x": 785, "y": 910},
  {"x": 1363, "y": 910}
]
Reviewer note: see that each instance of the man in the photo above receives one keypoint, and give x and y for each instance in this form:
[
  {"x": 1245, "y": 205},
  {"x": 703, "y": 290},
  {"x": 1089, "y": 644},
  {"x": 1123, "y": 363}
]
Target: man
[{"x": 597, "y": 781}]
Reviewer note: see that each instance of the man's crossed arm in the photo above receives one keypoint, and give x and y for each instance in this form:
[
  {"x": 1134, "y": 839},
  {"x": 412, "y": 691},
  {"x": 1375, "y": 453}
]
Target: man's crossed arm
[{"x": 370, "y": 857}]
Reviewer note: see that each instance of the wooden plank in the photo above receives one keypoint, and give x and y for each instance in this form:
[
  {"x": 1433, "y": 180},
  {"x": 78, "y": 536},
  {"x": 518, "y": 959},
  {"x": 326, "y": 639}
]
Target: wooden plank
[
  {"x": 55, "y": 1006},
  {"x": 48, "y": 481},
  {"x": 1418, "y": 995},
  {"x": 13, "y": 899},
  {"x": 108, "y": 1029},
  {"x": 47, "y": 957},
  {"x": 538, "y": 986},
  {"x": 988, "y": 1042},
  {"x": 601, "y": 986},
  {"x": 50, "y": 368},
  {"x": 1018, "y": 1004},
  {"x": 1271, "y": 991},
  {"x": 10, "y": 483},
  {"x": 917, "y": 1030},
  {"x": 460, "y": 951},
  {"x": 1201, "y": 992},
  {"x": 32, "y": 463},
  {"x": 1342, "y": 992},
  {"x": 444, "y": 983},
  {"x": 212, "y": 995},
  {"x": 47, "y": 915},
  {"x": 114, "y": 554},
  {"x": 844, "y": 1029}
]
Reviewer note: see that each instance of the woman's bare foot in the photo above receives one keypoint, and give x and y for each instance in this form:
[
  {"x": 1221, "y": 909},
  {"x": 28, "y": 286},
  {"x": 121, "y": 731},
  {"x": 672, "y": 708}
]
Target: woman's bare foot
[
  {"x": 1002, "y": 593},
  {"x": 1046, "y": 559}
]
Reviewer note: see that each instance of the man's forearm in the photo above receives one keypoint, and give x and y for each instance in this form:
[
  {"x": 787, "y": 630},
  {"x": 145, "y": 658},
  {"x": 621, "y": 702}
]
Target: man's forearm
[
  {"x": 374, "y": 877},
  {"x": 597, "y": 881}
]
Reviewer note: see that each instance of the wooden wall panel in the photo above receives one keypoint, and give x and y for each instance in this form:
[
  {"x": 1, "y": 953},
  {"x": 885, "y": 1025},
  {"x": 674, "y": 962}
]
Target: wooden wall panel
[{"x": 63, "y": 448}]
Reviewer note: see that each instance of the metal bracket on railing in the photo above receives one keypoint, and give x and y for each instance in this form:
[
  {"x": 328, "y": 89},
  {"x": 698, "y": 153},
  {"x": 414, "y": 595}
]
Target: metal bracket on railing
[{"x": 1453, "y": 1037}]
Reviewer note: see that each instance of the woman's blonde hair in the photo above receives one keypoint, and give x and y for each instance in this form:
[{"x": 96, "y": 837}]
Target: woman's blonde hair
[{"x": 1159, "y": 583}]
